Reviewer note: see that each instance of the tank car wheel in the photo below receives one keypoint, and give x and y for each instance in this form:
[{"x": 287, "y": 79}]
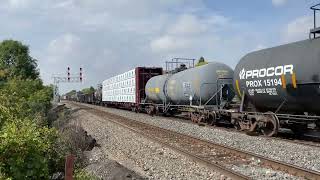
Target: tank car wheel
[
  {"x": 157, "y": 111},
  {"x": 151, "y": 110},
  {"x": 236, "y": 124},
  {"x": 271, "y": 125},
  {"x": 194, "y": 118},
  {"x": 201, "y": 119},
  {"x": 212, "y": 119}
]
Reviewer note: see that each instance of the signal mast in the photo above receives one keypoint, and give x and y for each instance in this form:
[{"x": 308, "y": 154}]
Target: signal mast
[{"x": 70, "y": 78}]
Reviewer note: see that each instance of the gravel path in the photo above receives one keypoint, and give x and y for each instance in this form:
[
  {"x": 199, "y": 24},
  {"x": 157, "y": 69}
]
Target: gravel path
[
  {"x": 300, "y": 155},
  {"x": 148, "y": 159}
]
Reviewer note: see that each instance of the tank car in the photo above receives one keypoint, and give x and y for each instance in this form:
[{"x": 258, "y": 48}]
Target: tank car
[
  {"x": 199, "y": 86},
  {"x": 285, "y": 77},
  {"x": 282, "y": 80}
]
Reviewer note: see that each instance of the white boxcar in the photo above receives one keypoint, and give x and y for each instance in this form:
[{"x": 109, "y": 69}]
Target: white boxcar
[
  {"x": 120, "y": 88},
  {"x": 128, "y": 89}
]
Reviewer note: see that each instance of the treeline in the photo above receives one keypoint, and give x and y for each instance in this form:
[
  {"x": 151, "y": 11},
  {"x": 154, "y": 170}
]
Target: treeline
[
  {"x": 27, "y": 141},
  {"x": 89, "y": 90}
]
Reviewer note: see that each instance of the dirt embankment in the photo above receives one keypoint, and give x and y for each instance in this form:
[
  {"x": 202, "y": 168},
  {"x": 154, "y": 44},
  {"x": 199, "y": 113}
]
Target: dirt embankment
[{"x": 89, "y": 151}]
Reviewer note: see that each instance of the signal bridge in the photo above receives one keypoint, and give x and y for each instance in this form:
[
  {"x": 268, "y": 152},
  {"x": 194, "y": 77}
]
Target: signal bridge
[
  {"x": 60, "y": 78},
  {"x": 71, "y": 79}
]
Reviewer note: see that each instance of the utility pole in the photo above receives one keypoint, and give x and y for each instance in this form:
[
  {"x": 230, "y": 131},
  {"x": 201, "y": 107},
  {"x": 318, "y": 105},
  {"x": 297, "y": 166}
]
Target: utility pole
[{"x": 70, "y": 78}]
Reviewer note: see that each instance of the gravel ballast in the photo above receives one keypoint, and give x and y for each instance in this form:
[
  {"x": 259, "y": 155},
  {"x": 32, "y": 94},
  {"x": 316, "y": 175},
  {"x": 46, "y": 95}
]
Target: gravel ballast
[
  {"x": 146, "y": 158},
  {"x": 300, "y": 155}
]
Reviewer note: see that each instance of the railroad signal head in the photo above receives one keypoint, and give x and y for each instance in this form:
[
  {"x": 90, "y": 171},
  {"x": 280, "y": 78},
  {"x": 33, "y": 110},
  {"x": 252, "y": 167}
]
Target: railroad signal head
[
  {"x": 80, "y": 74},
  {"x": 68, "y": 73}
]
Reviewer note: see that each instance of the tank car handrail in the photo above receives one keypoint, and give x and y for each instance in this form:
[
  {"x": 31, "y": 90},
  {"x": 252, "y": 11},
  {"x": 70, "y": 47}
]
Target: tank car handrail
[
  {"x": 200, "y": 99},
  {"x": 214, "y": 95},
  {"x": 280, "y": 106},
  {"x": 315, "y": 30},
  {"x": 314, "y": 7}
]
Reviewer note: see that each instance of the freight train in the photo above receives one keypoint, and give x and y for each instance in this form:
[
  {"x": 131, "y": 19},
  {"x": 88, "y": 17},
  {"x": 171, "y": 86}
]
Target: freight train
[{"x": 269, "y": 89}]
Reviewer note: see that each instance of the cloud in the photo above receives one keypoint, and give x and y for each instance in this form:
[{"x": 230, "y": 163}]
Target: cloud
[
  {"x": 66, "y": 45},
  {"x": 298, "y": 29},
  {"x": 113, "y": 37},
  {"x": 168, "y": 44},
  {"x": 187, "y": 32},
  {"x": 19, "y": 3},
  {"x": 278, "y": 3},
  {"x": 187, "y": 25}
]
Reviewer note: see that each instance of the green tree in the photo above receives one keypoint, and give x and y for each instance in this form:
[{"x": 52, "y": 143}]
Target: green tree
[
  {"x": 201, "y": 62},
  {"x": 27, "y": 144},
  {"x": 15, "y": 61},
  {"x": 88, "y": 90},
  {"x": 26, "y": 98},
  {"x": 72, "y": 92}
]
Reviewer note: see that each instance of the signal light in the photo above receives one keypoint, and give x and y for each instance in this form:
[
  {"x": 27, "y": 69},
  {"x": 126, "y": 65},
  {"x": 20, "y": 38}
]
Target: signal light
[
  {"x": 80, "y": 74},
  {"x": 68, "y": 73}
]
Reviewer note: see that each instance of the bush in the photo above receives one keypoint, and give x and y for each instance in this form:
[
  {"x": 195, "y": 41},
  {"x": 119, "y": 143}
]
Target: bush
[
  {"x": 81, "y": 174},
  {"x": 25, "y": 150},
  {"x": 28, "y": 148},
  {"x": 4, "y": 115},
  {"x": 26, "y": 99}
]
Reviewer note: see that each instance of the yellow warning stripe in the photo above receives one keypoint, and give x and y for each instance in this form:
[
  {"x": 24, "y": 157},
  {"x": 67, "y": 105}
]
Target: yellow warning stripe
[
  {"x": 238, "y": 88},
  {"x": 283, "y": 81},
  {"x": 294, "y": 80}
]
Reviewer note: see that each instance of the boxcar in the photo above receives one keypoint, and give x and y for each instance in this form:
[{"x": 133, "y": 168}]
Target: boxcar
[{"x": 127, "y": 90}]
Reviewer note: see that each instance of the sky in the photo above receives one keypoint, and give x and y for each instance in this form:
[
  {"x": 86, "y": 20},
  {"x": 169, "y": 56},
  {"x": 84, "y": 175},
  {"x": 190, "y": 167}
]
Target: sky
[{"x": 108, "y": 37}]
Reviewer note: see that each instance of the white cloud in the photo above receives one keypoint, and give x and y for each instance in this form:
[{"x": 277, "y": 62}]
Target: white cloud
[
  {"x": 188, "y": 32},
  {"x": 187, "y": 25},
  {"x": 18, "y": 3},
  {"x": 298, "y": 29},
  {"x": 64, "y": 45},
  {"x": 106, "y": 38},
  {"x": 169, "y": 44},
  {"x": 278, "y": 3}
]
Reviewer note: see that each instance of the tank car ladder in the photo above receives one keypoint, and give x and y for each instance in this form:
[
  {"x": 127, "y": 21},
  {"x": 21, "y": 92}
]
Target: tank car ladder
[{"x": 315, "y": 30}]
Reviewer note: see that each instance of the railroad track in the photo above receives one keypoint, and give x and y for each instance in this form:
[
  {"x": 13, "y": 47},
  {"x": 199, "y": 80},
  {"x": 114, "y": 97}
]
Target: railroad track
[
  {"x": 306, "y": 141},
  {"x": 218, "y": 157}
]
